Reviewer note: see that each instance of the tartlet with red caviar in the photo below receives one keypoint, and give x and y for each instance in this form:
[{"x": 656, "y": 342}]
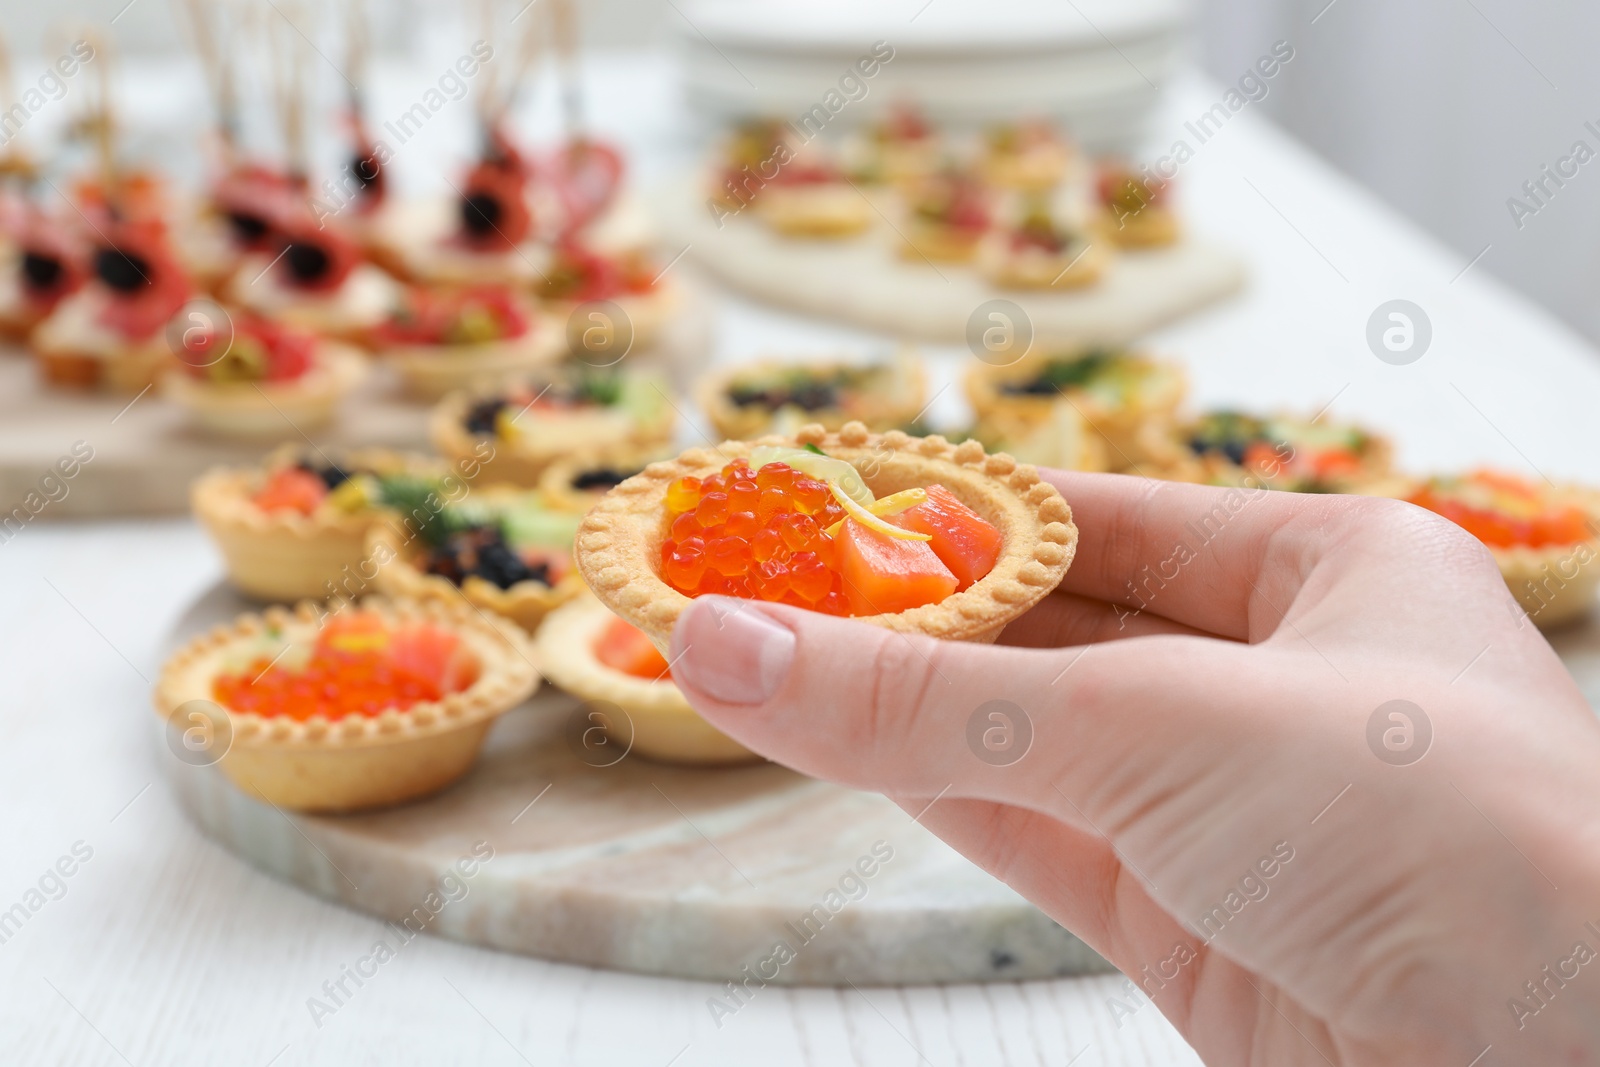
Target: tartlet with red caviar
[
  {"x": 261, "y": 379},
  {"x": 1545, "y": 538},
  {"x": 443, "y": 340},
  {"x": 296, "y": 526},
  {"x": 362, "y": 709},
  {"x": 529, "y": 425},
  {"x": 912, "y": 534},
  {"x": 499, "y": 549},
  {"x": 602, "y": 660}
]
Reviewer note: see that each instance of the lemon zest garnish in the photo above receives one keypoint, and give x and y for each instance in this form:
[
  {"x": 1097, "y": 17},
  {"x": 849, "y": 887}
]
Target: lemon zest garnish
[
  {"x": 894, "y": 504},
  {"x": 873, "y": 522}
]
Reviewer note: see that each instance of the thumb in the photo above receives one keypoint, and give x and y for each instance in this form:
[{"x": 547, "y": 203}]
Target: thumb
[{"x": 910, "y": 716}]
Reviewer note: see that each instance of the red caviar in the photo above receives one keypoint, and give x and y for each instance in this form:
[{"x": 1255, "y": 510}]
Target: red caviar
[
  {"x": 755, "y": 534},
  {"x": 359, "y": 665}
]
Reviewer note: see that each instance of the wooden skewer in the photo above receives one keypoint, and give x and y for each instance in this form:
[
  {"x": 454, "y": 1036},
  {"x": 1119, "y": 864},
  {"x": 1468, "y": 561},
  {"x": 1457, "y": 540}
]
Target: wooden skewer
[
  {"x": 211, "y": 29},
  {"x": 564, "y": 30},
  {"x": 288, "y": 55}
]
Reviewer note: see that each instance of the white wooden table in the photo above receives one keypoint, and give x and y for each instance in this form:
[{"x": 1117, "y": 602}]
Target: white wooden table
[{"x": 163, "y": 949}]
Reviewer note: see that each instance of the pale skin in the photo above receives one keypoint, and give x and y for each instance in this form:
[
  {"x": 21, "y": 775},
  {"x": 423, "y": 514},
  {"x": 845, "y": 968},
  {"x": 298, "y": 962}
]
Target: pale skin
[{"x": 1176, "y": 748}]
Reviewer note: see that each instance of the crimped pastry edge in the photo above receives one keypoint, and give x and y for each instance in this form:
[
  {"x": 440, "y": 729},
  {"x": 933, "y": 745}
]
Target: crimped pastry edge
[
  {"x": 617, "y": 547},
  {"x": 506, "y": 678}
]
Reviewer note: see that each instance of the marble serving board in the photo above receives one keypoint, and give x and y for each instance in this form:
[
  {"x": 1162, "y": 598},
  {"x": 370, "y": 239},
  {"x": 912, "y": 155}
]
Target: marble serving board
[
  {"x": 145, "y": 454},
  {"x": 646, "y": 867},
  {"x": 865, "y": 281}
]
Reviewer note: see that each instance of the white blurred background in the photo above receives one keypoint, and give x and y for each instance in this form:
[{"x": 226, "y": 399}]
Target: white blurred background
[{"x": 1443, "y": 108}]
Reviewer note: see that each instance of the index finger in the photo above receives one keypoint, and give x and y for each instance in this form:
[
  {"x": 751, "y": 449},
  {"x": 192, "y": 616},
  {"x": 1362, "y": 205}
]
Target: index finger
[{"x": 1194, "y": 554}]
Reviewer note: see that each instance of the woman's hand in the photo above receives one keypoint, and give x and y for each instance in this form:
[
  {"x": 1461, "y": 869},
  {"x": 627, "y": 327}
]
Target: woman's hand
[{"x": 1218, "y": 795}]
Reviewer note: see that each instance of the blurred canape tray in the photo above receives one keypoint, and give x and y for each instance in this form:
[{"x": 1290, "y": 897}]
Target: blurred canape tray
[
  {"x": 864, "y": 280},
  {"x": 644, "y": 866},
  {"x": 145, "y": 453}
]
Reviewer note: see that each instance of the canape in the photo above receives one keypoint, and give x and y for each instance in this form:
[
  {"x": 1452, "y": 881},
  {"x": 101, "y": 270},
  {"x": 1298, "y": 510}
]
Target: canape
[
  {"x": 576, "y": 275},
  {"x": 499, "y": 549},
  {"x": 530, "y": 425},
  {"x": 486, "y": 233},
  {"x": 362, "y": 709},
  {"x": 43, "y": 263},
  {"x": 264, "y": 381},
  {"x": 314, "y": 280},
  {"x": 1128, "y": 400},
  {"x": 601, "y": 659},
  {"x": 1041, "y": 252},
  {"x": 753, "y": 154},
  {"x": 947, "y": 214},
  {"x": 901, "y": 147},
  {"x": 1135, "y": 209},
  {"x": 109, "y": 334},
  {"x": 775, "y": 396},
  {"x": 1546, "y": 539},
  {"x": 810, "y": 197},
  {"x": 296, "y": 527},
  {"x": 443, "y": 340},
  {"x": 1282, "y": 452},
  {"x": 912, "y": 534},
  {"x": 1030, "y": 156}
]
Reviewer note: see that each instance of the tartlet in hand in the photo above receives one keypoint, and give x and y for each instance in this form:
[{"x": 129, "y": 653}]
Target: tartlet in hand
[
  {"x": 296, "y": 527},
  {"x": 601, "y": 660},
  {"x": 443, "y": 340},
  {"x": 912, "y": 534},
  {"x": 362, "y": 709},
  {"x": 267, "y": 381},
  {"x": 1545, "y": 538},
  {"x": 773, "y": 396},
  {"x": 499, "y": 549},
  {"x": 1127, "y": 401},
  {"x": 528, "y": 426}
]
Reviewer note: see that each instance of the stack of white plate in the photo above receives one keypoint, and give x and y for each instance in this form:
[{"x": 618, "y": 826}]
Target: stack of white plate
[{"x": 1096, "y": 66}]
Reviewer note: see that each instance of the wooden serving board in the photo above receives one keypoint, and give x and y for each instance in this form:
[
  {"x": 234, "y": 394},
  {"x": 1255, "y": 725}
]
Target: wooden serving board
[
  {"x": 865, "y": 281},
  {"x": 647, "y": 867},
  {"x": 145, "y": 454}
]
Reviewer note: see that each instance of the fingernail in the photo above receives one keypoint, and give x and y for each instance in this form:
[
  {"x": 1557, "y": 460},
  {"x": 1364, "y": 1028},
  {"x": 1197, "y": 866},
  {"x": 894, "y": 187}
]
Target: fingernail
[{"x": 730, "y": 651}]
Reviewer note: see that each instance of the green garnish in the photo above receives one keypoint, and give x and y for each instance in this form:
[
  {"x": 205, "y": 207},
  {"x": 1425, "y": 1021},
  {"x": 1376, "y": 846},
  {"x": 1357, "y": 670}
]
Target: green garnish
[{"x": 809, "y": 447}]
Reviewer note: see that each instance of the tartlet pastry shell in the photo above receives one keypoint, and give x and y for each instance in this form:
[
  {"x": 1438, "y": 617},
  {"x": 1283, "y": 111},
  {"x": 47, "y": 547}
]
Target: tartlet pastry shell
[
  {"x": 525, "y": 603},
  {"x": 1125, "y": 430},
  {"x": 1034, "y": 268},
  {"x": 881, "y": 409},
  {"x": 665, "y": 727},
  {"x": 543, "y": 438},
  {"x": 555, "y": 484},
  {"x": 824, "y": 209},
  {"x": 286, "y": 556},
  {"x": 1150, "y": 227},
  {"x": 648, "y": 315},
  {"x": 356, "y": 762},
  {"x": 618, "y": 547},
  {"x": 255, "y": 411},
  {"x": 431, "y": 372}
]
